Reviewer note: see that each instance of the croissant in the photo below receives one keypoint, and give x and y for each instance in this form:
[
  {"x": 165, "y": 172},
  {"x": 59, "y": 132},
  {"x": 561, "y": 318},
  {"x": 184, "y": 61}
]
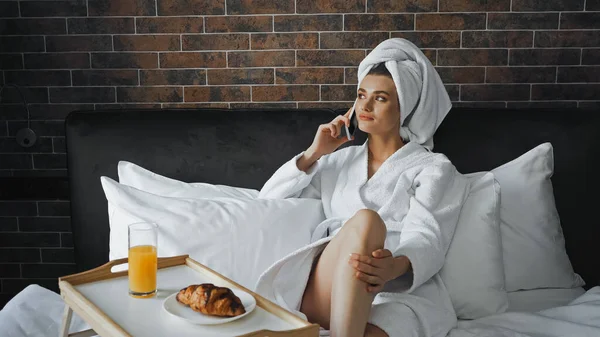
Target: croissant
[{"x": 211, "y": 300}]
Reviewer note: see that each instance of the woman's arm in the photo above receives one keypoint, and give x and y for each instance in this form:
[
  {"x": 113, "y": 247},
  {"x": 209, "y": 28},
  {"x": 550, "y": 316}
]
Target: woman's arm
[{"x": 429, "y": 225}]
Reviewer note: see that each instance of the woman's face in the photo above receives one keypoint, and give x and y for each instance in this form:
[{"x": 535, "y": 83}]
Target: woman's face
[{"x": 377, "y": 108}]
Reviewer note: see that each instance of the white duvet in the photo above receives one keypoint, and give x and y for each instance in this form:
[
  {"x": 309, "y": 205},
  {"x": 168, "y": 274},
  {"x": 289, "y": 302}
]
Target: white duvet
[{"x": 37, "y": 312}]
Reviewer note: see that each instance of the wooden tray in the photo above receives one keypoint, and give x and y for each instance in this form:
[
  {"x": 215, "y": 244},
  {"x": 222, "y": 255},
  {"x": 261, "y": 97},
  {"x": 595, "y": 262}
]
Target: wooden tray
[{"x": 100, "y": 297}]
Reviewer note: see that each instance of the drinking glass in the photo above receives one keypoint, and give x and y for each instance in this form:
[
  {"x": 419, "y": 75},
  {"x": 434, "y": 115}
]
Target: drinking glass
[{"x": 143, "y": 237}]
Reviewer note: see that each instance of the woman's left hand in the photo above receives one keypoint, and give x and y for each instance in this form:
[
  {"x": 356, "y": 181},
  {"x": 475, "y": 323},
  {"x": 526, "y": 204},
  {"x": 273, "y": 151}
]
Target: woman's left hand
[{"x": 375, "y": 270}]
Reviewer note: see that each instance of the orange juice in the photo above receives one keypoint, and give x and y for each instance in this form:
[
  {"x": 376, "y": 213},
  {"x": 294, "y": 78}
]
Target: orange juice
[{"x": 142, "y": 271}]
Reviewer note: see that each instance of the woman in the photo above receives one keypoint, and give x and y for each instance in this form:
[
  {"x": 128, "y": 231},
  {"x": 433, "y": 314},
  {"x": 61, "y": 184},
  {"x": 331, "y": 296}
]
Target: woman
[{"x": 391, "y": 206}]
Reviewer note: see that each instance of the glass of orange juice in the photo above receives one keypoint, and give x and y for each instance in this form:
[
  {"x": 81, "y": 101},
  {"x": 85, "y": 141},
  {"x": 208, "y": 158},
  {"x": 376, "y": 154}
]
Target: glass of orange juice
[{"x": 143, "y": 237}]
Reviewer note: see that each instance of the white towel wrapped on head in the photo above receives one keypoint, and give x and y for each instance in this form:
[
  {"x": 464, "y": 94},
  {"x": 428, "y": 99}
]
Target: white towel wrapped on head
[{"x": 424, "y": 101}]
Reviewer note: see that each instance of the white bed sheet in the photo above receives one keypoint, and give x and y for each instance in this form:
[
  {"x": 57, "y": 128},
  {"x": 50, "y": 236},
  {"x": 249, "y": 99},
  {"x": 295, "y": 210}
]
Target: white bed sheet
[
  {"x": 37, "y": 312},
  {"x": 541, "y": 299}
]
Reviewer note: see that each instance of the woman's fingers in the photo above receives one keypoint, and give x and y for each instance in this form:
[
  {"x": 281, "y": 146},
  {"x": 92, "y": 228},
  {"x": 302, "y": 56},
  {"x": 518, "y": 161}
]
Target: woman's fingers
[
  {"x": 365, "y": 259},
  {"x": 374, "y": 289},
  {"x": 363, "y": 267},
  {"x": 371, "y": 279}
]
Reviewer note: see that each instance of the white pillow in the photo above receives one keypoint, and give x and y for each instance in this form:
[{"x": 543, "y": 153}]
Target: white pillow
[
  {"x": 532, "y": 239},
  {"x": 237, "y": 237},
  {"x": 136, "y": 176},
  {"x": 473, "y": 272}
]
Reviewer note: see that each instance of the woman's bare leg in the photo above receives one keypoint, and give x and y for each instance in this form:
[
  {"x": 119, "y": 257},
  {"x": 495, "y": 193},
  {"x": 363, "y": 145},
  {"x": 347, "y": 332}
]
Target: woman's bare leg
[{"x": 344, "y": 309}]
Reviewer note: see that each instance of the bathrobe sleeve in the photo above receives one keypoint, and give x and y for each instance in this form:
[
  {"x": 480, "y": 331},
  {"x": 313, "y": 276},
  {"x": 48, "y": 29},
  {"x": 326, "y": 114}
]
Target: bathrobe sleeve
[
  {"x": 428, "y": 227},
  {"x": 290, "y": 182}
]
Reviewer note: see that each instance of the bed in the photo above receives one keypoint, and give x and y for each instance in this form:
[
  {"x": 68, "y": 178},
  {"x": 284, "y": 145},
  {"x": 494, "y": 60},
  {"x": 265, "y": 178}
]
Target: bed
[{"x": 243, "y": 147}]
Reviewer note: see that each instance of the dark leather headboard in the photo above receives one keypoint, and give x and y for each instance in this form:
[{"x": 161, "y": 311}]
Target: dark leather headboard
[{"x": 243, "y": 147}]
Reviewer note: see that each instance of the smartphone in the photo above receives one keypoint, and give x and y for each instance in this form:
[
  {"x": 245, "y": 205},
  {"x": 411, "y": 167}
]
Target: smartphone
[{"x": 348, "y": 131}]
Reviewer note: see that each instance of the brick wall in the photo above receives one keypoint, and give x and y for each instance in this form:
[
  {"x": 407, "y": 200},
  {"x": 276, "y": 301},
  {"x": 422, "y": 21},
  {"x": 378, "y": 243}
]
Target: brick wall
[{"x": 98, "y": 54}]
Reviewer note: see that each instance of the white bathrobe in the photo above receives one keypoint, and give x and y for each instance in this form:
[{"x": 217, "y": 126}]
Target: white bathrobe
[{"x": 418, "y": 194}]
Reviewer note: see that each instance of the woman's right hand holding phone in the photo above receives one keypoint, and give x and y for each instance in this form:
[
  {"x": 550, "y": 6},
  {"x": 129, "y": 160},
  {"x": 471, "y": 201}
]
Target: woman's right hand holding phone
[{"x": 326, "y": 141}]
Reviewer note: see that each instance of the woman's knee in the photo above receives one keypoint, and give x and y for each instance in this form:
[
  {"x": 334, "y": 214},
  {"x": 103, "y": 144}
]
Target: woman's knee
[{"x": 366, "y": 225}]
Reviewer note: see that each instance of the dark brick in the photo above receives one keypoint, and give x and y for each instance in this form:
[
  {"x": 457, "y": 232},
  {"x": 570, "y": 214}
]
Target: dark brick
[
  {"x": 58, "y": 255},
  {"x": 15, "y": 255},
  {"x": 387, "y": 6},
  {"x": 547, "y": 5},
  {"x": 193, "y": 60},
  {"x": 309, "y": 75},
  {"x": 47, "y": 270},
  {"x": 53, "y": 8},
  {"x": 11, "y": 61},
  {"x": 104, "y": 77},
  {"x": 38, "y": 77},
  {"x": 591, "y": 56},
  {"x": 45, "y": 224},
  {"x": 325, "y": 105},
  {"x": 32, "y": 26},
  {"x": 462, "y": 74},
  {"x": 465, "y": 21},
  {"x": 453, "y": 91},
  {"x": 482, "y": 105},
  {"x": 66, "y": 240},
  {"x": 41, "y": 173},
  {"x": 10, "y": 270},
  {"x": 351, "y": 75},
  {"x": 3, "y": 129},
  {"x": 580, "y": 20},
  {"x": 122, "y": 106},
  {"x": 240, "y": 76},
  {"x": 431, "y": 39},
  {"x": 497, "y": 39},
  {"x": 13, "y": 111},
  {"x": 285, "y": 41},
  {"x": 82, "y": 95},
  {"x": 146, "y": 42},
  {"x": 124, "y": 60},
  {"x": 578, "y": 74},
  {"x": 8, "y": 224},
  {"x": 472, "y": 57},
  {"x": 122, "y": 7},
  {"x": 590, "y": 38},
  {"x": 385, "y": 22},
  {"x": 173, "y": 77},
  {"x": 291, "y": 23},
  {"x": 9, "y": 9},
  {"x": 261, "y": 58},
  {"x": 50, "y": 161},
  {"x": 169, "y": 25},
  {"x": 9, "y": 240},
  {"x": 17, "y": 285},
  {"x": 474, "y": 6},
  {"x": 57, "y": 61},
  {"x": 338, "y": 92},
  {"x": 217, "y": 94},
  {"x": 354, "y": 40},
  {"x": 194, "y": 105},
  {"x": 329, "y": 57},
  {"x": 520, "y": 74},
  {"x": 564, "y": 92},
  {"x": 536, "y": 105},
  {"x": 54, "y": 208},
  {"x": 536, "y": 57},
  {"x": 55, "y": 111},
  {"x": 15, "y": 44},
  {"x": 216, "y": 42},
  {"x": 592, "y": 5},
  {"x": 267, "y": 105},
  {"x": 78, "y": 43},
  {"x": 285, "y": 93},
  {"x": 523, "y": 20},
  {"x": 495, "y": 92},
  {"x": 330, "y": 6},
  {"x": 190, "y": 7},
  {"x": 149, "y": 94},
  {"x": 101, "y": 26},
  {"x": 260, "y": 7},
  {"x": 10, "y": 145},
  {"x": 59, "y": 145},
  {"x": 588, "y": 105},
  {"x": 32, "y": 95},
  {"x": 224, "y": 24}
]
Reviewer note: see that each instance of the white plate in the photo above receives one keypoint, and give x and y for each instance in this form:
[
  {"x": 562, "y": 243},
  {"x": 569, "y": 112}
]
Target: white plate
[{"x": 186, "y": 313}]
